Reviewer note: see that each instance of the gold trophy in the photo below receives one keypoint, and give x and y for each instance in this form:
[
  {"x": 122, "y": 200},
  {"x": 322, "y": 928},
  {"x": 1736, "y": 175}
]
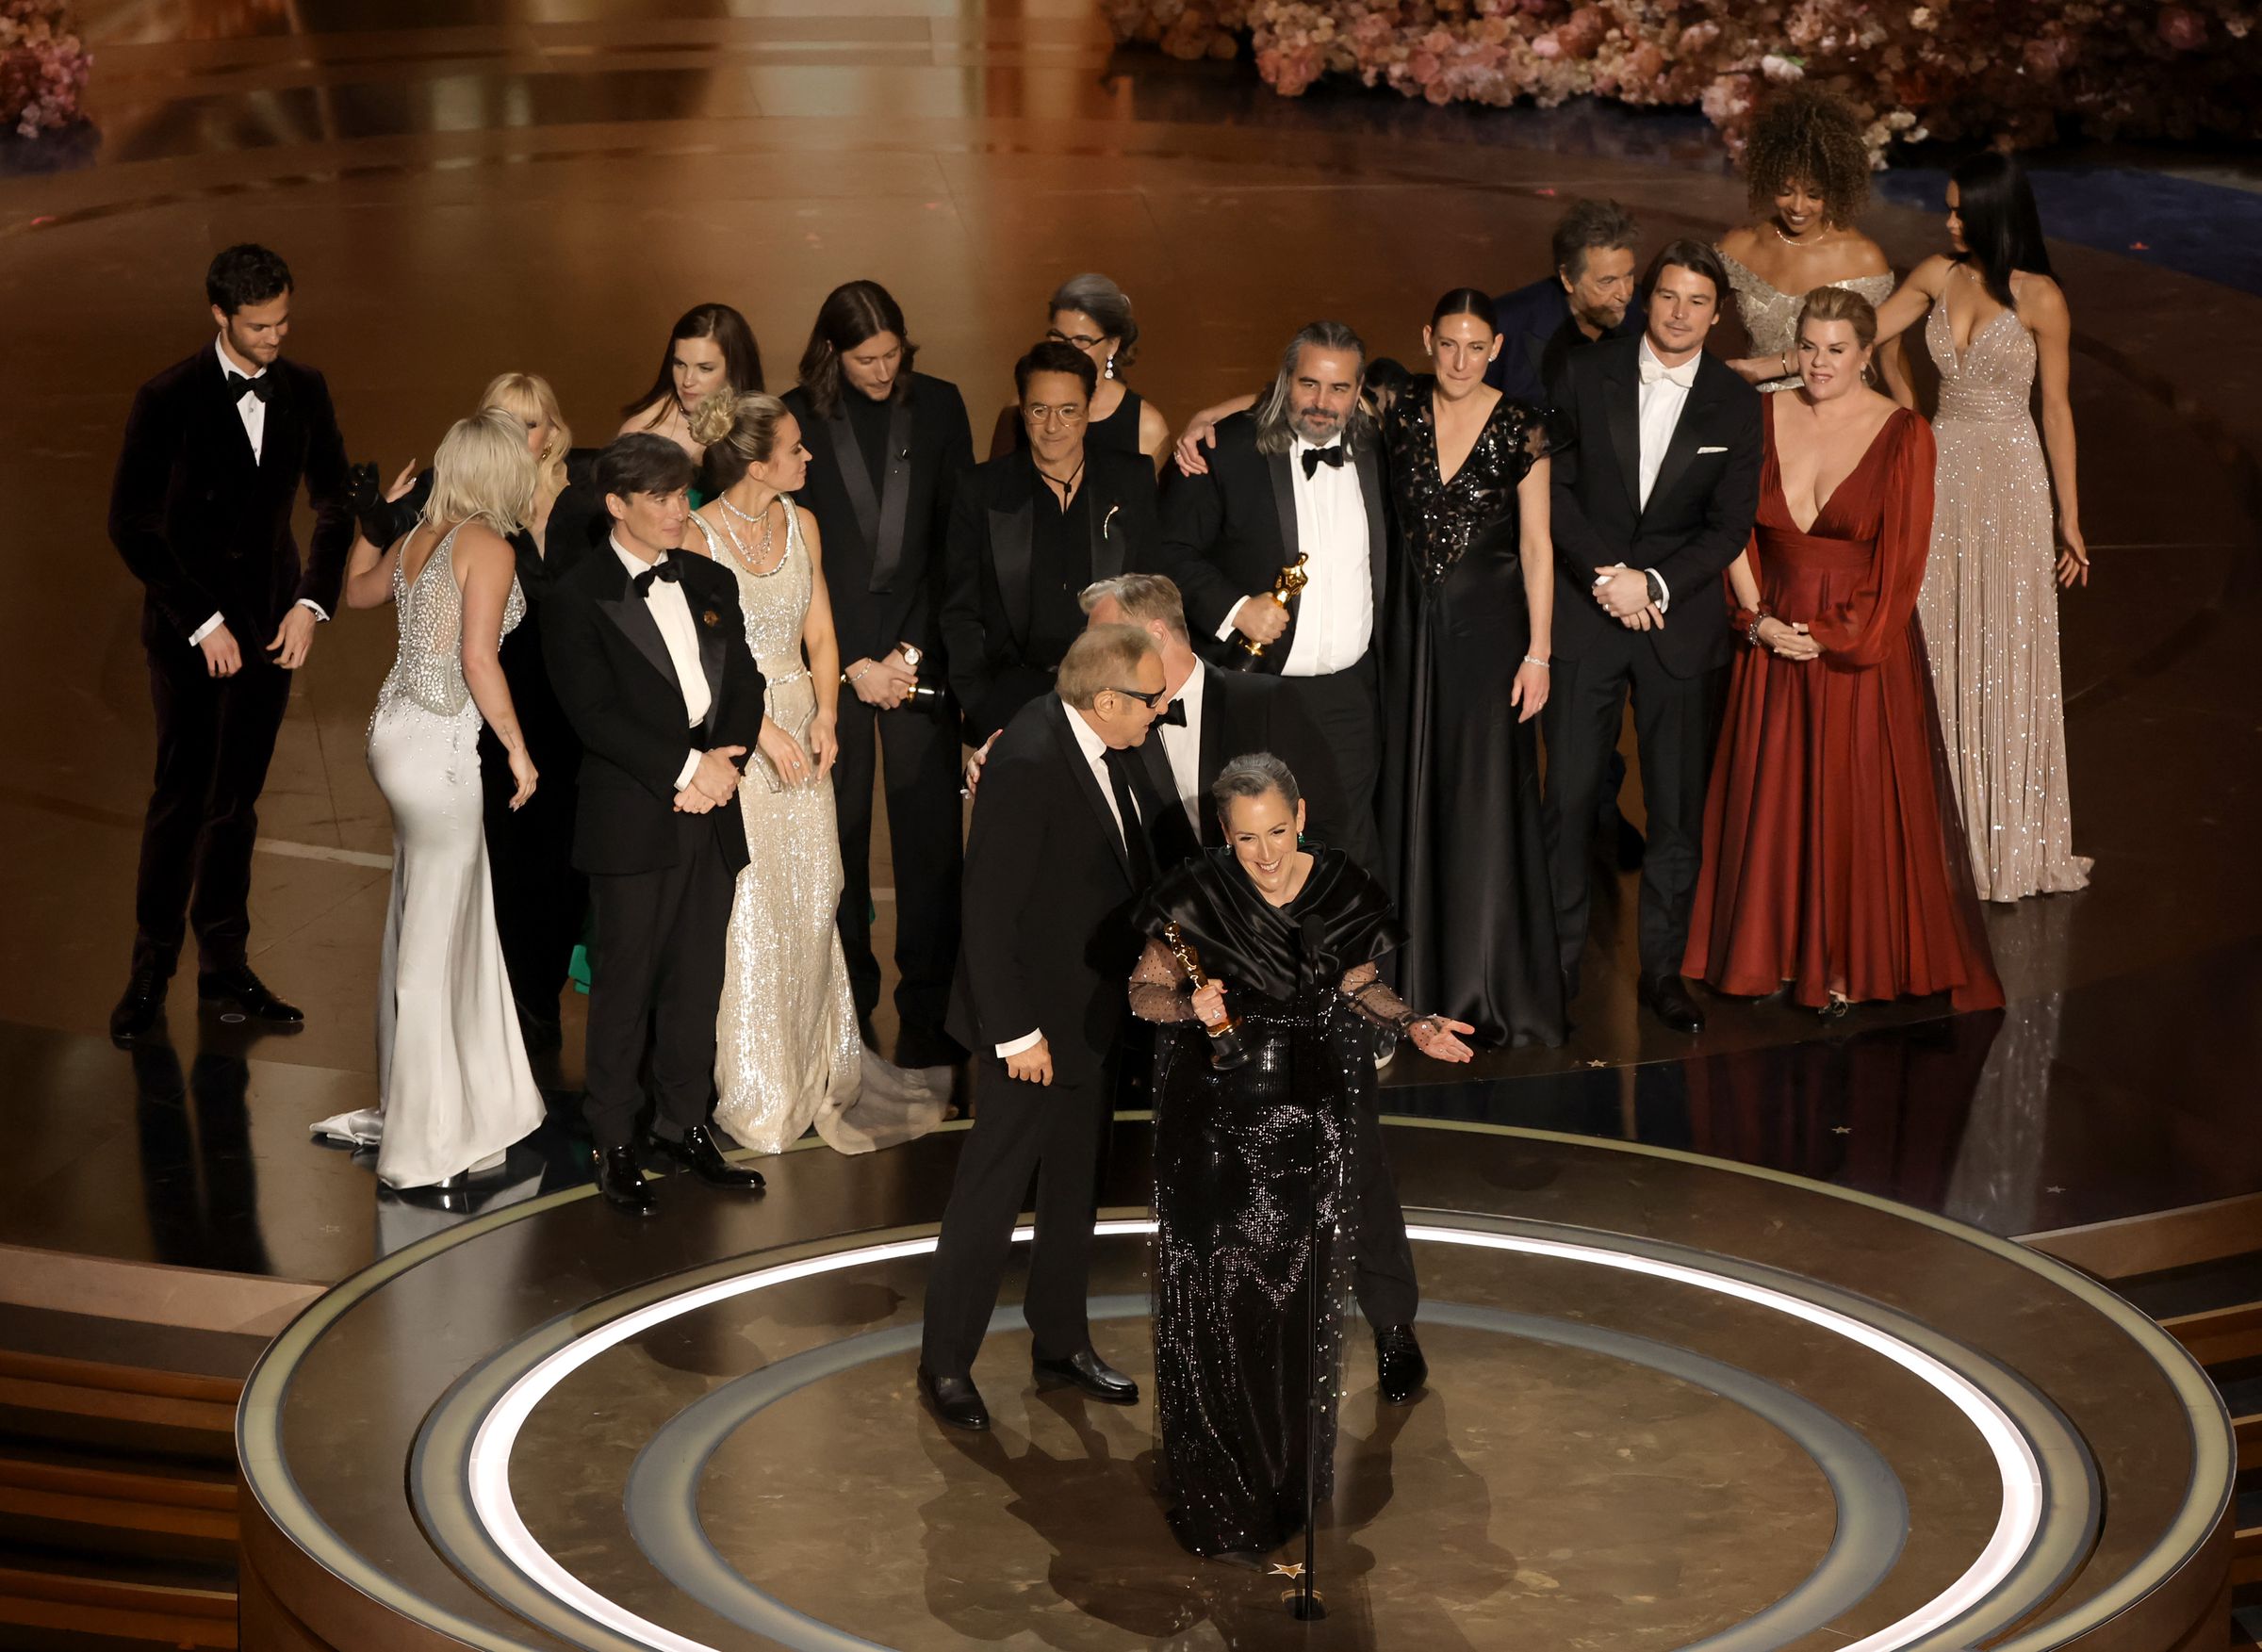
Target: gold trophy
[
  {"x": 1244, "y": 654},
  {"x": 1225, "y": 1051}
]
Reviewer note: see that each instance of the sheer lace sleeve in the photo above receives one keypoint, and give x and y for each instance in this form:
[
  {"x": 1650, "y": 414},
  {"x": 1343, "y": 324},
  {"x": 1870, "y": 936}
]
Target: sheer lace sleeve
[
  {"x": 1158, "y": 986},
  {"x": 1375, "y": 1000}
]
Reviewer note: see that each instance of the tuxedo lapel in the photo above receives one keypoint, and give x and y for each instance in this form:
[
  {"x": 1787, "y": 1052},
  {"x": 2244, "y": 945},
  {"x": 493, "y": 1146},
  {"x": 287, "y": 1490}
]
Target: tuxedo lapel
[
  {"x": 1622, "y": 404},
  {"x": 1011, "y": 534},
  {"x": 855, "y": 479},
  {"x": 626, "y": 610},
  {"x": 1217, "y": 733},
  {"x": 895, "y": 496},
  {"x": 1688, "y": 433},
  {"x": 1089, "y": 784},
  {"x": 713, "y": 640},
  {"x": 1284, "y": 502},
  {"x": 233, "y": 440},
  {"x": 1378, "y": 527}
]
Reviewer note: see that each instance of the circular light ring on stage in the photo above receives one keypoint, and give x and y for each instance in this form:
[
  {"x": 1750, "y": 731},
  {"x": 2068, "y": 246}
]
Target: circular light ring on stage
[{"x": 461, "y": 1473}]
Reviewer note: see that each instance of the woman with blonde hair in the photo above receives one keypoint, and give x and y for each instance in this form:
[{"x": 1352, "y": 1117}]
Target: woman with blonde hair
[{"x": 452, "y": 1084}]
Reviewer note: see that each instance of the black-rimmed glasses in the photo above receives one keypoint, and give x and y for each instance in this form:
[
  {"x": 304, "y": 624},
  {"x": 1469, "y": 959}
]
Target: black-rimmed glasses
[{"x": 1154, "y": 702}]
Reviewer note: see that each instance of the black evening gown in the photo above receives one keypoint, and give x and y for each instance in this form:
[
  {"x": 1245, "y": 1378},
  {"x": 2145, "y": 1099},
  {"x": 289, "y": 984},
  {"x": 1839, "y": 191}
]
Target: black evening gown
[
  {"x": 1460, "y": 799},
  {"x": 1249, "y": 1165}
]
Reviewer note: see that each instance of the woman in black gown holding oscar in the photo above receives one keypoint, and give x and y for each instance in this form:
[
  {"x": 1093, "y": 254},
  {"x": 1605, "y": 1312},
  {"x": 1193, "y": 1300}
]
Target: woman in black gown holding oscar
[
  {"x": 1250, "y": 1161},
  {"x": 1472, "y": 594}
]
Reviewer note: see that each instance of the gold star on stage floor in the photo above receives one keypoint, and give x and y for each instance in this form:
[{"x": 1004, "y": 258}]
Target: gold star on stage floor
[
  {"x": 1597, "y": 1062},
  {"x": 1287, "y": 1568}
]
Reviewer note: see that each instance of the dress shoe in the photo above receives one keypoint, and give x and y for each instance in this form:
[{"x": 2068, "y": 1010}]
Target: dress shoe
[
  {"x": 620, "y": 1178},
  {"x": 137, "y": 1011},
  {"x": 954, "y": 1401},
  {"x": 235, "y": 988},
  {"x": 1668, "y": 997},
  {"x": 697, "y": 1154},
  {"x": 1398, "y": 1367},
  {"x": 1085, "y": 1369}
]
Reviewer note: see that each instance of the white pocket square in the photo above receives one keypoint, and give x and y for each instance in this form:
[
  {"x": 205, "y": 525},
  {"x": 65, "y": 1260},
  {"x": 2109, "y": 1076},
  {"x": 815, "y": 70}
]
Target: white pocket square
[{"x": 1702, "y": 451}]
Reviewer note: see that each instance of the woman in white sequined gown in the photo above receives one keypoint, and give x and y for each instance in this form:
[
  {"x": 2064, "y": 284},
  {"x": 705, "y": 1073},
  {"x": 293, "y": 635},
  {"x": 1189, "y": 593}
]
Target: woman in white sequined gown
[
  {"x": 788, "y": 1054},
  {"x": 1995, "y": 321},
  {"x": 452, "y": 1083}
]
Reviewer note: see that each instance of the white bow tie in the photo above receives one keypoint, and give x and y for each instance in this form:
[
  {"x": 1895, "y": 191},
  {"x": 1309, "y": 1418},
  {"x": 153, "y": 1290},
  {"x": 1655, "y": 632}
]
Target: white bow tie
[{"x": 1684, "y": 375}]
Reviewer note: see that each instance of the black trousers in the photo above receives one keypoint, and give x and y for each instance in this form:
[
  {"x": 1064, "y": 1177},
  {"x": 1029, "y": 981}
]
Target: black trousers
[
  {"x": 215, "y": 739},
  {"x": 920, "y": 748},
  {"x": 1383, "y": 1280},
  {"x": 540, "y": 900},
  {"x": 1673, "y": 725},
  {"x": 656, "y": 969},
  {"x": 1056, "y": 1132},
  {"x": 1345, "y": 707}
]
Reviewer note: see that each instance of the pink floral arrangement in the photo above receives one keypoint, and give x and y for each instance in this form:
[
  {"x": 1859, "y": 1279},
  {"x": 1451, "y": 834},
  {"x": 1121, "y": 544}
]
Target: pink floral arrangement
[
  {"x": 1945, "y": 69},
  {"x": 43, "y": 66}
]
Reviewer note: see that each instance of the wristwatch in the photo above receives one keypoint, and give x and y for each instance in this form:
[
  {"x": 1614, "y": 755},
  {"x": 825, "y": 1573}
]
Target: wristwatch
[
  {"x": 1656, "y": 585},
  {"x": 912, "y": 654}
]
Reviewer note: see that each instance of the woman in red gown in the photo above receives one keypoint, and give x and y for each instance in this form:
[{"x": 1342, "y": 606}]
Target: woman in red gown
[{"x": 1827, "y": 832}]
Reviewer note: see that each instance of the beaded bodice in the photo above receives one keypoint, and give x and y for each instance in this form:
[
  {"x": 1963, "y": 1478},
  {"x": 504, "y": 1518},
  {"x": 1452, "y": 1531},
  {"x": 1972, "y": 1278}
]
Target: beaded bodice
[
  {"x": 427, "y": 670},
  {"x": 1993, "y": 379},
  {"x": 773, "y": 588},
  {"x": 1771, "y": 314}
]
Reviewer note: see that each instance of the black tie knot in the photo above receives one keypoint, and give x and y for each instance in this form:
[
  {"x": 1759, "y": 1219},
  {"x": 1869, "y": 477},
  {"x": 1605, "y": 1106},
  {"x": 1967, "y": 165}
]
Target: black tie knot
[
  {"x": 1314, "y": 457},
  {"x": 666, "y": 568},
  {"x": 263, "y": 386},
  {"x": 1174, "y": 712}
]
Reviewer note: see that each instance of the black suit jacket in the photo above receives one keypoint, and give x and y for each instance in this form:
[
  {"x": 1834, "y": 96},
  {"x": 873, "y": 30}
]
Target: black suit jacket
[
  {"x": 1241, "y": 713},
  {"x": 206, "y": 528},
  {"x": 1699, "y": 513},
  {"x": 1047, "y": 943},
  {"x": 986, "y": 595},
  {"x": 883, "y": 547},
  {"x": 613, "y": 675},
  {"x": 1227, "y": 534},
  {"x": 1530, "y": 321}
]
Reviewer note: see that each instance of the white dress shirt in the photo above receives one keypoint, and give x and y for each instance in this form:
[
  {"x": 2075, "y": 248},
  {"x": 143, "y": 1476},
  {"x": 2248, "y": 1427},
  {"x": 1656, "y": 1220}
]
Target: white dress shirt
[
  {"x": 254, "y": 412},
  {"x": 1334, "y": 614},
  {"x": 1183, "y": 747},
  {"x": 1095, "y": 753},
  {"x": 671, "y": 612},
  {"x": 1665, "y": 392}
]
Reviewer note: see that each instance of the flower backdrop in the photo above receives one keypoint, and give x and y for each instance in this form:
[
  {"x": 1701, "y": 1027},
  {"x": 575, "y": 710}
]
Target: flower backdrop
[
  {"x": 1951, "y": 69},
  {"x": 43, "y": 66}
]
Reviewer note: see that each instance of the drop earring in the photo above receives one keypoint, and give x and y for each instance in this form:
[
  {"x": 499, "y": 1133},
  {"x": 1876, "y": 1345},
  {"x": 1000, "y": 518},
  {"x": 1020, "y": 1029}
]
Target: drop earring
[{"x": 1110, "y": 366}]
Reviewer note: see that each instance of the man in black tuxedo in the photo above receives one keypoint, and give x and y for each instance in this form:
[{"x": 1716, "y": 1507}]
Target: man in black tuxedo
[
  {"x": 1298, "y": 474},
  {"x": 1055, "y": 858},
  {"x": 1027, "y": 532},
  {"x": 887, "y": 447},
  {"x": 1652, "y": 504},
  {"x": 215, "y": 451},
  {"x": 1590, "y": 297},
  {"x": 646, "y": 652}
]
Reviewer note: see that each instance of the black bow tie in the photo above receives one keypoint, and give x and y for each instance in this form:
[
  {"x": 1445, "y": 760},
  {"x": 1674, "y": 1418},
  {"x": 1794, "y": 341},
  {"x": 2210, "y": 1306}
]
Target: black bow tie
[
  {"x": 1174, "y": 712},
  {"x": 1314, "y": 457},
  {"x": 239, "y": 386},
  {"x": 666, "y": 568}
]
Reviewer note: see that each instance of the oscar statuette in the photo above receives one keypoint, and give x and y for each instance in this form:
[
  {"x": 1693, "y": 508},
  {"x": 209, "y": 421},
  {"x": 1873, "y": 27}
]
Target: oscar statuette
[
  {"x": 1225, "y": 1051},
  {"x": 1244, "y": 654}
]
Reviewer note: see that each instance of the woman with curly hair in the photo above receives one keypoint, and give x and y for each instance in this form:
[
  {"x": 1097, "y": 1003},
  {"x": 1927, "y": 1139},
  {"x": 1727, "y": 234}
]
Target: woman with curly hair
[{"x": 1807, "y": 172}]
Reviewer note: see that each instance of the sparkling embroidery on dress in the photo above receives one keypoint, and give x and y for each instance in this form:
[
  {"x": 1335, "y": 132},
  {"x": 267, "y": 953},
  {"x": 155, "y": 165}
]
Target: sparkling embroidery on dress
[
  {"x": 1771, "y": 314},
  {"x": 428, "y": 669},
  {"x": 1438, "y": 519}
]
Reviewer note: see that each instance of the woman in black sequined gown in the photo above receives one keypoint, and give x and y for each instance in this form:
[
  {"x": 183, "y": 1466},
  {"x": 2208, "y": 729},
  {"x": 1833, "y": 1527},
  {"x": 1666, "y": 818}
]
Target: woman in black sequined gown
[
  {"x": 1251, "y": 1164},
  {"x": 1472, "y": 606}
]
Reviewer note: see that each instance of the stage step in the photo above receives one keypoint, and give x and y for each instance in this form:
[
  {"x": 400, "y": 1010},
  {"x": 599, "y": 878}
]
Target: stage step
[{"x": 55, "y": 1612}]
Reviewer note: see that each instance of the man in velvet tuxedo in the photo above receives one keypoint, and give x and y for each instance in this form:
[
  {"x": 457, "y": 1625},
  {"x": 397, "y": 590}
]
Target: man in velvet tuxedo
[
  {"x": 1298, "y": 474},
  {"x": 1057, "y": 854},
  {"x": 1027, "y": 532},
  {"x": 887, "y": 447},
  {"x": 647, "y": 651},
  {"x": 1652, "y": 504},
  {"x": 215, "y": 448}
]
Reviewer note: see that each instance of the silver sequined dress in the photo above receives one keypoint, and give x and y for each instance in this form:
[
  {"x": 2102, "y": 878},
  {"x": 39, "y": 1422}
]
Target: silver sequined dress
[
  {"x": 452, "y": 1080},
  {"x": 1989, "y": 609},
  {"x": 787, "y": 1052},
  {"x": 1771, "y": 316}
]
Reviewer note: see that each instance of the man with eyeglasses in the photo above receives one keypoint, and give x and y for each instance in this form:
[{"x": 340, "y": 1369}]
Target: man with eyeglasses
[
  {"x": 1027, "y": 532},
  {"x": 1057, "y": 854}
]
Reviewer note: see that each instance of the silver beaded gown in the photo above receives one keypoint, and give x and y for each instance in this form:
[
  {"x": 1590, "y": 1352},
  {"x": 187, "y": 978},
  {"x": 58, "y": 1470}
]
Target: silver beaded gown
[
  {"x": 453, "y": 1082},
  {"x": 1770, "y": 315},
  {"x": 1989, "y": 610},
  {"x": 787, "y": 1054}
]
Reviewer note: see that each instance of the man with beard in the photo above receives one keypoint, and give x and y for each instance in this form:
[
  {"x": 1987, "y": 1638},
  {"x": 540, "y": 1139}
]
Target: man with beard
[{"x": 1588, "y": 298}]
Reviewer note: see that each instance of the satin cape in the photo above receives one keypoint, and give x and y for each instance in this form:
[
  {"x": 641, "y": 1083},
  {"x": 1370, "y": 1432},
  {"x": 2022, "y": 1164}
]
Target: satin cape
[{"x": 1339, "y": 920}]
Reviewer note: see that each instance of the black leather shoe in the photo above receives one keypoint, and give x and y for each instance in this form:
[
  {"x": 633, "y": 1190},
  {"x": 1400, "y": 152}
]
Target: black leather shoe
[
  {"x": 137, "y": 1011},
  {"x": 1668, "y": 997},
  {"x": 620, "y": 1178},
  {"x": 1398, "y": 1367},
  {"x": 697, "y": 1154},
  {"x": 1085, "y": 1369},
  {"x": 235, "y": 990},
  {"x": 954, "y": 1401}
]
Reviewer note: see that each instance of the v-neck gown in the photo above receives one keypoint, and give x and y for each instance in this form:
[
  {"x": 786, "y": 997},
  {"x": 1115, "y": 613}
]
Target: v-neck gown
[{"x": 1833, "y": 861}]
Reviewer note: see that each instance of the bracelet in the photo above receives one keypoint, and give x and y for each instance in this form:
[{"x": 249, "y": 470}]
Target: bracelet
[
  {"x": 1783, "y": 360},
  {"x": 851, "y": 680},
  {"x": 1751, "y": 633},
  {"x": 1536, "y": 660}
]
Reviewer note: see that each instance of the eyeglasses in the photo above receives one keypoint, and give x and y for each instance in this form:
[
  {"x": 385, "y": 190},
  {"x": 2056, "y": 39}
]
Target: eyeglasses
[
  {"x": 1154, "y": 702},
  {"x": 1038, "y": 412},
  {"x": 1080, "y": 340}
]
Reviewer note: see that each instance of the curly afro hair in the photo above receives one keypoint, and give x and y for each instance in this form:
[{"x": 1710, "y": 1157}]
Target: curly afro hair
[{"x": 1807, "y": 135}]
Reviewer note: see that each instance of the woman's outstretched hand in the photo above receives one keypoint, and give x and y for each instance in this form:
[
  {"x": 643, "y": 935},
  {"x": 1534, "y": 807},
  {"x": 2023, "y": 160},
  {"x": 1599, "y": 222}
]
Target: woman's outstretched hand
[{"x": 1434, "y": 1036}]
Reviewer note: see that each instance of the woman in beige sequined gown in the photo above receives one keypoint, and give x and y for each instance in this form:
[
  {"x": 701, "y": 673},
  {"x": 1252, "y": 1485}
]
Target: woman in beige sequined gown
[
  {"x": 1995, "y": 321},
  {"x": 1806, "y": 168},
  {"x": 788, "y": 1054}
]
